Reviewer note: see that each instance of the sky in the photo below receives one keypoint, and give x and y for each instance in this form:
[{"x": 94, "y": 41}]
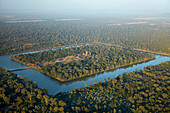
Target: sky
[{"x": 145, "y": 6}]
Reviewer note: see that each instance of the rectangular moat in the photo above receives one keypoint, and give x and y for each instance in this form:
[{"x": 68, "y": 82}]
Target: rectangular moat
[{"x": 54, "y": 86}]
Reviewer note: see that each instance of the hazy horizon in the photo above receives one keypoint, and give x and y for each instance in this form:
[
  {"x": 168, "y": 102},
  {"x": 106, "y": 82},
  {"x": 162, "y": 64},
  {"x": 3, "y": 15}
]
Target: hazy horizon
[{"x": 85, "y": 6}]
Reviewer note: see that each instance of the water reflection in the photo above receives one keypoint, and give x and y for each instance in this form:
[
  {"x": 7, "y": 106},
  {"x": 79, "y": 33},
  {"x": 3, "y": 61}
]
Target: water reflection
[{"x": 54, "y": 86}]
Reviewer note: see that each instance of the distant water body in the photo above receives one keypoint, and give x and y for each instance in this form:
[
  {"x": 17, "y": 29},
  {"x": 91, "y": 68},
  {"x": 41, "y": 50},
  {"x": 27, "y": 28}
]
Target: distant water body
[
  {"x": 38, "y": 20},
  {"x": 69, "y": 19},
  {"x": 23, "y": 21}
]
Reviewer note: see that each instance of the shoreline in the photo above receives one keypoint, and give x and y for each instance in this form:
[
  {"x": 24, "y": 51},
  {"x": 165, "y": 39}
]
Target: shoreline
[
  {"x": 142, "y": 50},
  {"x": 45, "y": 48},
  {"x": 108, "y": 70},
  {"x": 63, "y": 81}
]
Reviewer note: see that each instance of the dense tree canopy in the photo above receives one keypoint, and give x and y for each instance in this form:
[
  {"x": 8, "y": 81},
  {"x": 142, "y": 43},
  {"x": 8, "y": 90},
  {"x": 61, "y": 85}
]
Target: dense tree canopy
[
  {"x": 19, "y": 37},
  {"x": 146, "y": 90},
  {"x": 85, "y": 60}
]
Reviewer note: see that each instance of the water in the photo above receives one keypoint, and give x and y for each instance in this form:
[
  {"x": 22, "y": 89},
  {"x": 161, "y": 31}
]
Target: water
[
  {"x": 23, "y": 21},
  {"x": 54, "y": 86}
]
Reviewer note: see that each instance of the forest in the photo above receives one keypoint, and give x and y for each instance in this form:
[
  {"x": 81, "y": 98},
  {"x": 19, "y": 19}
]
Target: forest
[
  {"x": 144, "y": 90},
  {"x": 140, "y": 91},
  {"x": 77, "y": 62},
  {"x": 21, "y": 37}
]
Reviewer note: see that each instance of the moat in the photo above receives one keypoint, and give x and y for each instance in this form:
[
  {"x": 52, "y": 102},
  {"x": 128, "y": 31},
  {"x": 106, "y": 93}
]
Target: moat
[{"x": 54, "y": 86}]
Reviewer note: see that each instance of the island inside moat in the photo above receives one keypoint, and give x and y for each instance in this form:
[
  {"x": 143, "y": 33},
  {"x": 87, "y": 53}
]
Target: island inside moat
[{"x": 77, "y": 62}]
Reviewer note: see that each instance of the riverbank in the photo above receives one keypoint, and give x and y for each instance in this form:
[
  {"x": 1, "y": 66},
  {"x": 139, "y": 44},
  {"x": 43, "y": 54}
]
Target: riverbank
[
  {"x": 54, "y": 86},
  {"x": 146, "y": 51},
  {"x": 108, "y": 70},
  {"x": 61, "y": 80},
  {"x": 41, "y": 49},
  {"x": 27, "y": 64},
  {"x": 141, "y": 50}
]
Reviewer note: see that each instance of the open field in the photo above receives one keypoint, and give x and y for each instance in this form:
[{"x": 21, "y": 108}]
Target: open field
[
  {"x": 69, "y": 19},
  {"x": 137, "y": 23}
]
